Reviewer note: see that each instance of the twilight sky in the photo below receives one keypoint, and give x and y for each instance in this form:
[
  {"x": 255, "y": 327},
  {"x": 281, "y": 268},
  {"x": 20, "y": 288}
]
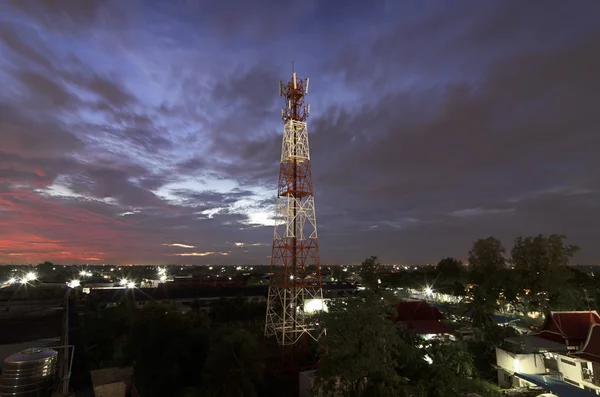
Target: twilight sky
[{"x": 138, "y": 131}]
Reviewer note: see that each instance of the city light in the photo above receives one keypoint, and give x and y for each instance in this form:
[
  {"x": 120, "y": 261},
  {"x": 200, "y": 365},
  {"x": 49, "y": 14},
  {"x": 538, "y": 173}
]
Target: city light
[
  {"x": 131, "y": 284},
  {"x": 123, "y": 282},
  {"x": 74, "y": 283},
  {"x": 11, "y": 281},
  {"x": 30, "y": 276},
  {"x": 314, "y": 305},
  {"x": 85, "y": 273},
  {"x": 428, "y": 291}
]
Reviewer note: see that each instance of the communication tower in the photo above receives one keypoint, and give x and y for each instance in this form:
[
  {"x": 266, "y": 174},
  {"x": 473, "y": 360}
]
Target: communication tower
[{"x": 295, "y": 266}]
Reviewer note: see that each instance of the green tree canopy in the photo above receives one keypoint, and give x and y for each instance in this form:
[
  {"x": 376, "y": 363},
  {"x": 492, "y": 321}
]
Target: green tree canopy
[
  {"x": 234, "y": 366},
  {"x": 541, "y": 264},
  {"x": 450, "y": 268},
  {"x": 450, "y": 365},
  {"x": 369, "y": 273},
  {"x": 487, "y": 264},
  {"x": 361, "y": 348},
  {"x": 486, "y": 260},
  {"x": 168, "y": 350}
]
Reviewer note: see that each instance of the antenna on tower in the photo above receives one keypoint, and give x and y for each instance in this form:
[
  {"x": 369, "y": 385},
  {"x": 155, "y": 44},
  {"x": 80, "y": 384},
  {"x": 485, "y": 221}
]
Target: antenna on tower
[{"x": 307, "y": 82}]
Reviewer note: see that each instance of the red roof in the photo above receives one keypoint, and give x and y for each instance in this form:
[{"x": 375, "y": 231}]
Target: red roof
[
  {"x": 421, "y": 318},
  {"x": 425, "y": 327},
  {"x": 572, "y": 326},
  {"x": 416, "y": 311},
  {"x": 591, "y": 349}
]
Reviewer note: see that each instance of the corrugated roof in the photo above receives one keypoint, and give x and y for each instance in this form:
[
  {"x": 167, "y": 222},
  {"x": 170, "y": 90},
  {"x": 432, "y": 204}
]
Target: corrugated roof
[
  {"x": 533, "y": 344},
  {"x": 555, "y": 385}
]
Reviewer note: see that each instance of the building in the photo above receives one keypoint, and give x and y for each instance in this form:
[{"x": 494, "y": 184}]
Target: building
[
  {"x": 420, "y": 318},
  {"x": 564, "y": 357},
  {"x": 569, "y": 328}
]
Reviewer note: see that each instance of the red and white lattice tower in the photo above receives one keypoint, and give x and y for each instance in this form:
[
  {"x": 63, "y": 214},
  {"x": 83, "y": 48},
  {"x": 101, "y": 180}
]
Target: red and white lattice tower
[{"x": 295, "y": 266}]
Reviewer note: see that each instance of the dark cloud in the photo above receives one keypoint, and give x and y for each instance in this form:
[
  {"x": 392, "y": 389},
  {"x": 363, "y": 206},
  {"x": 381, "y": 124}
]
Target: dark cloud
[
  {"x": 78, "y": 15},
  {"x": 13, "y": 41},
  {"x": 37, "y": 136},
  {"x": 155, "y": 123}
]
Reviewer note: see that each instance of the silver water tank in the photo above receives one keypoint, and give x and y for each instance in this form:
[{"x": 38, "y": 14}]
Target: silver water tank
[{"x": 29, "y": 373}]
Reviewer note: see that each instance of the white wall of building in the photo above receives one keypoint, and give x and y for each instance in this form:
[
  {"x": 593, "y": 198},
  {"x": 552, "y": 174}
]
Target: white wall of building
[
  {"x": 570, "y": 368},
  {"x": 523, "y": 363},
  {"x": 510, "y": 363},
  {"x": 572, "y": 371}
]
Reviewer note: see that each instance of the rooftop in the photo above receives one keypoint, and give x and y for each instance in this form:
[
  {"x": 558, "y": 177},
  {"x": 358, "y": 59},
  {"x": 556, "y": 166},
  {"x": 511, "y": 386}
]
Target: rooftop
[
  {"x": 591, "y": 349},
  {"x": 572, "y": 326},
  {"x": 529, "y": 344},
  {"x": 420, "y": 317}
]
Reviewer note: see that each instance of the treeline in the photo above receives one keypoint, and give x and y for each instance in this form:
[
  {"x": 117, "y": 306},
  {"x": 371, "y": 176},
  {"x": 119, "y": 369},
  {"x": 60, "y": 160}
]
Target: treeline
[{"x": 534, "y": 276}]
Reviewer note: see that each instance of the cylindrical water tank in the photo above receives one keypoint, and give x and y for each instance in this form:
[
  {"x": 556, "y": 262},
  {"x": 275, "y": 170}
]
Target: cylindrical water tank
[{"x": 29, "y": 373}]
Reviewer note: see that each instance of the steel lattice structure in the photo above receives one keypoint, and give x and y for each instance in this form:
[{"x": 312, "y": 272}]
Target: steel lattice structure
[{"x": 295, "y": 266}]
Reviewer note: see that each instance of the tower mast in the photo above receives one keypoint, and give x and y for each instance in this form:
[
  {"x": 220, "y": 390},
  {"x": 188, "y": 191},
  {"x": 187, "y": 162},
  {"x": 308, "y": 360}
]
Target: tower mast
[{"x": 295, "y": 266}]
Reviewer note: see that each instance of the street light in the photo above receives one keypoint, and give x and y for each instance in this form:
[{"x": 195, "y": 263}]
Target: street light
[{"x": 74, "y": 283}]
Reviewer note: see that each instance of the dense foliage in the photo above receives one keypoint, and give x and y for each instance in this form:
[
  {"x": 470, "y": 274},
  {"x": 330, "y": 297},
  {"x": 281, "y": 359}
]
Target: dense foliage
[
  {"x": 178, "y": 354},
  {"x": 367, "y": 355}
]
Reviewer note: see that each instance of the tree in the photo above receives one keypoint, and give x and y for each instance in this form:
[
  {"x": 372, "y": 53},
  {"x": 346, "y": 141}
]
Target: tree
[
  {"x": 480, "y": 305},
  {"x": 450, "y": 365},
  {"x": 450, "y": 268},
  {"x": 486, "y": 259},
  {"x": 46, "y": 270},
  {"x": 487, "y": 262},
  {"x": 369, "y": 273},
  {"x": 541, "y": 263},
  {"x": 362, "y": 344},
  {"x": 233, "y": 365},
  {"x": 338, "y": 274},
  {"x": 168, "y": 350}
]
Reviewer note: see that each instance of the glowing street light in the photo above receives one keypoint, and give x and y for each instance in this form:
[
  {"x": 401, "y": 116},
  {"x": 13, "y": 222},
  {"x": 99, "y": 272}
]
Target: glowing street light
[
  {"x": 74, "y": 283},
  {"x": 428, "y": 291},
  {"x": 30, "y": 276},
  {"x": 131, "y": 284},
  {"x": 11, "y": 281},
  {"x": 123, "y": 282}
]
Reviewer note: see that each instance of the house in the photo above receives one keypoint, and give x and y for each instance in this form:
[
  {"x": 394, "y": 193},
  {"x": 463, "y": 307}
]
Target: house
[
  {"x": 564, "y": 357},
  {"x": 570, "y": 328},
  {"x": 588, "y": 358},
  {"x": 420, "y": 318}
]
